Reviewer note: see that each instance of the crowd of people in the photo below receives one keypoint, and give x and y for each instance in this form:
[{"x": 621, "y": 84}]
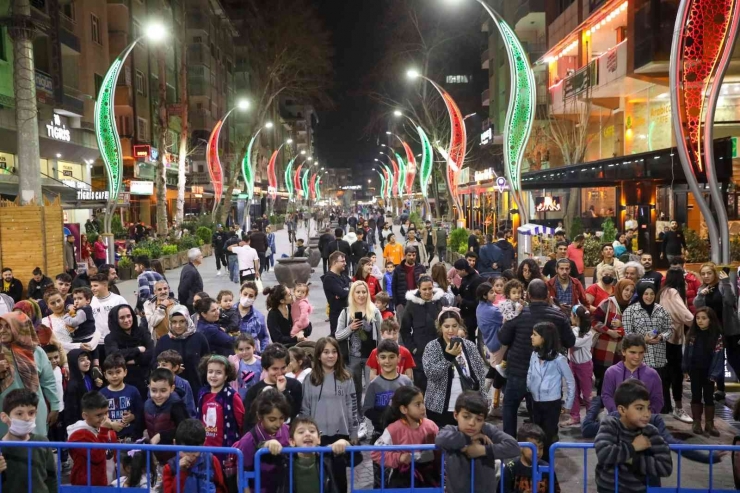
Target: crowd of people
[{"x": 414, "y": 349}]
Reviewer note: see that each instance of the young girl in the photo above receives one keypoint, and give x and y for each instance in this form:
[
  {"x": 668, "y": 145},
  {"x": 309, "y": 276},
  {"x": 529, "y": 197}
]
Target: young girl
[
  {"x": 270, "y": 432},
  {"x": 407, "y": 424},
  {"x": 704, "y": 361},
  {"x": 220, "y": 409},
  {"x": 498, "y": 289},
  {"x": 329, "y": 398},
  {"x": 81, "y": 382},
  {"x": 248, "y": 366},
  {"x": 133, "y": 470},
  {"x": 300, "y": 364},
  {"x": 300, "y": 310},
  {"x": 581, "y": 363},
  {"x": 547, "y": 368}
]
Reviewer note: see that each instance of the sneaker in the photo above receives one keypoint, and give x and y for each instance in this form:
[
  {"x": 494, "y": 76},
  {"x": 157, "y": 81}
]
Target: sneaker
[
  {"x": 362, "y": 433},
  {"x": 681, "y": 415},
  {"x": 218, "y": 272},
  {"x": 501, "y": 370}
]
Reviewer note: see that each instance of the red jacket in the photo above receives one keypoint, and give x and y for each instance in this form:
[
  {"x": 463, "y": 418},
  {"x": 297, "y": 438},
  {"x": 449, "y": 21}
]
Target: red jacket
[
  {"x": 81, "y": 432},
  {"x": 99, "y": 250},
  {"x": 579, "y": 294},
  {"x": 170, "y": 486},
  {"x": 373, "y": 285}
]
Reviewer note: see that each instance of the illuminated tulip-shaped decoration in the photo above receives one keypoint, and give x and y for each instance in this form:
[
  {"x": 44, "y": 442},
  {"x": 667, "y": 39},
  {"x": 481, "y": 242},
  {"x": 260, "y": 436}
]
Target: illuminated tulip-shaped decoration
[
  {"x": 427, "y": 162},
  {"x": 396, "y": 173},
  {"x": 289, "y": 178},
  {"x": 304, "y": 183},
  {"x": 297, "y": 179},
  {"x": 703, "y": 41},
  {"x": 213, "y": 162},
  {"x": 312, "y": 186},
  {"x": 272, "y": 176},
  {"x": 401, "y": 173},
  {"x": 382, "y": 183},
  {"x": 318, "y": 187},
  {"x": 410, "y": 167}
]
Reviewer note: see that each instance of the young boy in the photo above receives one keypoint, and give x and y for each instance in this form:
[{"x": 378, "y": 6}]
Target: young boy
[
  {"x": 163, "y": 411},
  {"x": 56, "y": 431},
  {"x": 376, "y": 272},
  {"x": 304, "y": 432},
  {"x": 125, "y": 406},
  {"x": 630, "y": 443},
  {"x": 229, "y": 316},
  {"x": 194, "y": 466},
  {"x": 275, "y": 359},
  {"x": 19, "y": 414},
  {"x": 172, "y": 360},
  {"x": 380, "y": 390},
  {"x": 388, "y": 281},
  {"x": 300, "y": 250},
  {"x": 382, "y": 300},
  {"x": 518, "y": 473},
  {"x": 94, "y": 427},
  {"x": 389, "y": 330},
  {"x": 80, "y": 322},
  {"x": 473, "y": 439}
]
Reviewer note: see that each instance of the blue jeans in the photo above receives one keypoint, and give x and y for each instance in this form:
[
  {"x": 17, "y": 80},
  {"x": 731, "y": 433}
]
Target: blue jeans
[{"x": 233, "y": 268}]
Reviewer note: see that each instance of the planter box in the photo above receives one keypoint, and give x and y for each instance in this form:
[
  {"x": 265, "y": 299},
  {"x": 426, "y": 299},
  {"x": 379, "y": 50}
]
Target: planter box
[
  {"x": 175, "y": 260},
  {"x": 588, "y": 272},
  {"x": 207, "y": 250},
  {"x": 183, "y": 257},
  {"x": 124, "y": 273},
  {"x": 166, "y": 262}
]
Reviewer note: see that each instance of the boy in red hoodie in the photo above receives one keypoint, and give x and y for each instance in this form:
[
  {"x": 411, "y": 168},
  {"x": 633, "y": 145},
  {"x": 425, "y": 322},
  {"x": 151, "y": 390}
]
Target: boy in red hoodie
[
  {"x": 196, "y": 476},
  {"x": 92, "y": 428}
]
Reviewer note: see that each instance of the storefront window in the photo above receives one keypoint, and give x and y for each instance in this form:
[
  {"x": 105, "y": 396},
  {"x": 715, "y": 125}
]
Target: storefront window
[{"x": 598, "y": 202}]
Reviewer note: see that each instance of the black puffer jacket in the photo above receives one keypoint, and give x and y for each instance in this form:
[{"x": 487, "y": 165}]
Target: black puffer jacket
[
  {"x": 418, "y": 326},
  {"x": 400, "y": 286},
  {"x": 517, "y": 334},
  {"x": 469, "y": 304},
  {"x": 127, "y": 344}
]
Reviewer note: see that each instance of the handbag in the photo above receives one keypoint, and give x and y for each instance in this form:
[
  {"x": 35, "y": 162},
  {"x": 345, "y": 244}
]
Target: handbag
[
  {"x": 260, "y": 286},
  {"x": 268, "y": 252}
]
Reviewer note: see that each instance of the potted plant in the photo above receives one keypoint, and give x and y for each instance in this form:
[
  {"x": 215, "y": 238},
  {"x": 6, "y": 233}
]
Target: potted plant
[
  {"x": 169, "y": 257},
  {"x": 205, "y": 235},
  {"x": 125, "y": 268}
]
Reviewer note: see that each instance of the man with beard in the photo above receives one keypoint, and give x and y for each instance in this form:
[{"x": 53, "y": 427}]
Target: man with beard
[
  {"x": 564, "y": 289},
  {"x": 561, "y": 252},
  {"x": 674, "y": 243},
  {"x": 650, "y": 275},
  {"x": 11, "y": 286},
  {"x": 110, "y": 271}
]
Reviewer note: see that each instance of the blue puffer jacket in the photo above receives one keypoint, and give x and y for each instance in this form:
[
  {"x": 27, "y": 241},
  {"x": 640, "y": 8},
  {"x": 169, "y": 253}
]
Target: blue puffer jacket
[
  {"x": 490, "y": 321},
  {"x": 253, "y": 323}
]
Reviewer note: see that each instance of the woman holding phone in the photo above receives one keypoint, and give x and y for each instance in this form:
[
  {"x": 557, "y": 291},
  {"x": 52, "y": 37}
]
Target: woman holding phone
[{"x": 358, "y": 333}]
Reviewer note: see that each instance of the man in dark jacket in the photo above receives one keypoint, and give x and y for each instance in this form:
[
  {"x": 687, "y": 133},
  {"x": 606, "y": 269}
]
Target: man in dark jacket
[
  {"x": 468, "y": 300},
  {"x": 324, "y": 241},
  {"x": 11, "y": 286},
  {"x": 359, "y": 249},
  {"x": 38, "y": 284},
  {"x": 490, "y": 256},
  {"x": 259, "y": 242},
  {"x": 218, "y": 240},
  {"x": 190, "y": 280},
  {"x": 336, "y": 288},
  {"x": 507, "y": 253},
  {"x": 339, "y": 245},
  {"x": 406, "y": 278},
  {"x": 418, "y": 327},
  {"x": 517, "y": 334}
]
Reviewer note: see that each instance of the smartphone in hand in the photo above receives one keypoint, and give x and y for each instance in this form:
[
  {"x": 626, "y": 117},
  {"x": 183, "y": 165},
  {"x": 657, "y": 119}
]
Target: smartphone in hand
[{"x": 456, "y": 340}]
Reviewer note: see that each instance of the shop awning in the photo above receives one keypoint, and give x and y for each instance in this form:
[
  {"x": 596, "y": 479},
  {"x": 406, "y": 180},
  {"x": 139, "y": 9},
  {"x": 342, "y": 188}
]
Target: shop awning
[{"x": 531, "y": 229}]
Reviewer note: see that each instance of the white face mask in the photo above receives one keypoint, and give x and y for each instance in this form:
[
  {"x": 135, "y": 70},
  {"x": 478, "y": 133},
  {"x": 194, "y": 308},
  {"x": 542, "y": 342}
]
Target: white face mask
[
  {"x": 20, "y": 428},
  {"x": 246, "y": 302}
]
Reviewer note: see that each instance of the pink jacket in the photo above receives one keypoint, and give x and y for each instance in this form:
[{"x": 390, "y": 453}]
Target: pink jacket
[
  {"x": 680, "y": 314},
  {"x": 400, "y": 433},
  {"x": 300, "y": 311}
]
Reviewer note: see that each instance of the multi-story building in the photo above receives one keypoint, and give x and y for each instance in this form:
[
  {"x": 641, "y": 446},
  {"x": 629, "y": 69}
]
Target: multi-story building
[{"x": 607, "y": 64}]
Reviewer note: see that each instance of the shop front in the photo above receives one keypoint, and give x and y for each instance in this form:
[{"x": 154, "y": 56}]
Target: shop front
[{"x": 486, "y": 202}]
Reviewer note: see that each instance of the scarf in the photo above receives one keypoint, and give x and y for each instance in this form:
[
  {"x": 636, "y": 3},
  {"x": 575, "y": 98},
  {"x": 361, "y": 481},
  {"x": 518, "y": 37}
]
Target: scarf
[
  {"x": 182, "y": 310},
  {"x": 619, "y": 289},
  {"x": 225, "y": 398},
  {"x": 641, "y": 289},
  {"x": 19, "y": 353}
]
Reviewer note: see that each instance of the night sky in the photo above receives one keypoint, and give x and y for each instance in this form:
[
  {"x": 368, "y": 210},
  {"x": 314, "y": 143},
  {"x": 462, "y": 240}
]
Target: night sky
[{"x": 355, "y": 28}]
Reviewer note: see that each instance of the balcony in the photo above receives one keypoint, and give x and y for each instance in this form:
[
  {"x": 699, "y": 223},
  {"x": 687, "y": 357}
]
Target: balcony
[
  {"x": 199, "y": 178},
  {"x": 72, "y": 102},
  {"x": 526, "y": 11},
  {"x": 484, "y": 59},
  {"x": 67, "y": 36},
  {"x": 486, "y": 97}
]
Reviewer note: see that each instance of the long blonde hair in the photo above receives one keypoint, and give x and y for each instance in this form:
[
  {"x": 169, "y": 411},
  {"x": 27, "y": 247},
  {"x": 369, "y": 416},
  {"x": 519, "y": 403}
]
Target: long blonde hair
[{"x": 369, "y": 309}]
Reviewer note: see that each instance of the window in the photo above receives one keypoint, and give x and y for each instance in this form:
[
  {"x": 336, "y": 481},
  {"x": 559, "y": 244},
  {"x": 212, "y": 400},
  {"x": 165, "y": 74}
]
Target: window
[
  {"x": 98, "y": 83},
  {"x": 140, "y": 84},
  {"x": 458, "y": 79},
  {"x": 142, "y": 129},
  {"x": 97, "y": 36},
  {"x": 68, "y": 10}
]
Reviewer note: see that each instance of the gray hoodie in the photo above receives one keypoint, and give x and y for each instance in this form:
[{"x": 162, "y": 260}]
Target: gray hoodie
[
  {"x": 451, "y": 440},
  {"x": 332, "y": 405}
]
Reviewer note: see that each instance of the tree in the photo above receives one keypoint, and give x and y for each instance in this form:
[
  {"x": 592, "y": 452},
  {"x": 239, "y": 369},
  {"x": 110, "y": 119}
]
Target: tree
[
  {"x": 162, "y": 126},
  {"x": 289, "y": 54},
  {"x": 184, "y": 131}
]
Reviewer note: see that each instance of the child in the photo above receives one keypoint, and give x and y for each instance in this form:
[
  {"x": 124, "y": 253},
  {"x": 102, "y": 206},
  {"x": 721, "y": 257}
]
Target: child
[
  {"x": 163, "y": 411},
  {"x": 19, "y": 415},
  {"x": 329, "y": 398},
  {"x": 473, "y": 439},
  {"x": 80, "y": 322},
  {"x": 376, "y": 272},
  {"x": 248, "y": 365},
  {"x": 194, "y": 466},
  {"x": 382, "y": 301},
  {"x": 407, "y": 424},
  {"x": 80, "y": 383},
  {"x": 172, "y": 360},
  {"x": 304, "y": 432},
  {"x": 389, "y": 330},
  {"x": 518, "y": 473},
  {"x": 61, "y": 376},
  {"x": 125, "y": 406},
  {"x": 498, "y": 289},
  {"x": 94, "y": 427},
  {"x": 228, "y": 314},
  {"x": 272, "y": 433},
  {"x": 703, "y": 360},
  {"x": 547, "y": 369},
  {"x": 301, "y": 310},
  {"x": 622, "y": 443},
  {"x": 220, "y": 408},
  {"x": 388, "y": 281},
  {"x": 380, "y": 390},
  {"x": 581, "y": 362},
  {"x": 134, "y": 471},
  {"x": 300, "y": 363},
  {"x": 510, "y": 308}
]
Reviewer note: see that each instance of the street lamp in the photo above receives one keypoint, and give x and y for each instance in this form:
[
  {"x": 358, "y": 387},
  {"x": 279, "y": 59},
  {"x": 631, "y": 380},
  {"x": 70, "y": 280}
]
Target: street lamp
[
  {"x": 248, "y": 171},
  {"x": 213, "y": 161}
]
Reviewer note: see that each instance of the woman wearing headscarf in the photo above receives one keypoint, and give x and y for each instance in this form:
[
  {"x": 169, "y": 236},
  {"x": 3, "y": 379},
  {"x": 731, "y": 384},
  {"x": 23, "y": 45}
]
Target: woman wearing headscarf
[
  {"x": 134, "y": 343},
  {"x": 650, "y": 320},
  {"x": 183, "y": 338},
  {"x": 44, "y": 334},
  {"x": 25, "y": 365},
  {"x": 607, "y": 323}
]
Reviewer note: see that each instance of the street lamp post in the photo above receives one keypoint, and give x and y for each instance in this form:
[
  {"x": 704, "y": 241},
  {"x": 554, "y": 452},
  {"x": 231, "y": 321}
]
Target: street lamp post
[
  {"x": 106, "y": 131},
  {"x": 248, "y": 173}
]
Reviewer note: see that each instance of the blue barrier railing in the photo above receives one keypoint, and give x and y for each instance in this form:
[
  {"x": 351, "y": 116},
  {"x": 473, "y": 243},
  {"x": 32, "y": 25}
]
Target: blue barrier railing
[
  {"x": 118, "y": 448},
  {"x": 322, "y": 451},
  {"x": 678, "y": 449}
]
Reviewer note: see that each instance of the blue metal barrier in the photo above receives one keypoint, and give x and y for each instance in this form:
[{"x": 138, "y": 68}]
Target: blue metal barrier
[
  {"x": 118, "y": 447},
  {"x": 291, "y": 451},
  {"x": 679, "y": 449}
]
